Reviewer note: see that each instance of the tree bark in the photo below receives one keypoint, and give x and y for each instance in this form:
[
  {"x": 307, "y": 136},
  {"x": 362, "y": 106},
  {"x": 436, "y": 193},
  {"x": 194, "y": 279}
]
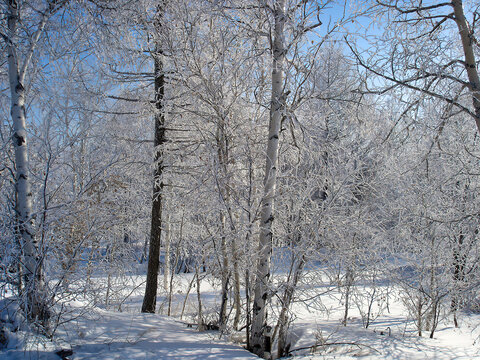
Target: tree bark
[
  {"x": 166, "y": 265},
  {"x": 283, "y": 318},
  {"x": 349, "y": 277},
  {"x": 150, "y": 298},
  {"x": 236, "y": 287},
  {"x": 201, "y": 325},
  {"x": 468, "y": 42},
  {"x": 222, "y": 321},
  {"x": 225, "y": 192},
  {"x": 257, "y": 343},
  {"x": 35, "y": 303},
  {"x": 459, "y": 260}
]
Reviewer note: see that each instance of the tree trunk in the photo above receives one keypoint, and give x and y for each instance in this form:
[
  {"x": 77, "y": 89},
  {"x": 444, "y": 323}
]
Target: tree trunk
[
  {"x": 257, "y": 343},
  {"x": 248, "y": 236},
  {"x": 173, "y": 270},
  {"x": 458, "y": 276},
  {"x": 247, "y": 307},
  {"x": 224, "y": 192},
  {"x": 349, "y": 277},
  {"x": 225, "y": 276},
  {"x": 466, "y": 34},
  {"x": 201, "y": 325},
  {"x": 150, "y": 298},
  {"x": 283, "y": 320},
  {"x": 166, "y": 265},
  {"x": 420, "y": 314},
  {"x": 35, "y": 303},
  {"x": 189, "y": 288},
  {"x": 236, "y": 287}
]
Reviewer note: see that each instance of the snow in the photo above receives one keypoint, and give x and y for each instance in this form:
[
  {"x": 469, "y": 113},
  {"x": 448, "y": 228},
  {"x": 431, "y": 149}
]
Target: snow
[
  {"x": 390, "y": 336},
  {"x": 449, "y": 343},
  {"x": 97, "y": 333},
  {"x": 112, "y": 335},
  {"x": 100, "y": 332}
]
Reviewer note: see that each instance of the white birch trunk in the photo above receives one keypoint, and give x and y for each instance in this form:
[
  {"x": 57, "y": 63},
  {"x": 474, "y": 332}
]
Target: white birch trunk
[
  {"x": 35, "y": 305},
  {"x": 468, "y": 42},
  {"x": 265, "y": 241}
]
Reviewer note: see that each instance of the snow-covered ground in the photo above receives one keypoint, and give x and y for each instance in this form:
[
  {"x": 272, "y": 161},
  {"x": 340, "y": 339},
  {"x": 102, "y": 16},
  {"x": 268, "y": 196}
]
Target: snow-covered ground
[
  {"x": 113, "y": 335},
  {"x": 103, "y": 332},
  {"x": 107, "y": 334},
  {"x": 377, "y": 342}
]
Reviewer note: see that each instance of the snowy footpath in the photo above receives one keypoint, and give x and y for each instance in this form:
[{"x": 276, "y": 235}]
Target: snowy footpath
[{"x": 112, "y": 335}]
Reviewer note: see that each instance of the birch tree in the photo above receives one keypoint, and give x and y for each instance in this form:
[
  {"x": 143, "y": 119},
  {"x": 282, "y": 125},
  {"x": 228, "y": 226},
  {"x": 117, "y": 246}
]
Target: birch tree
[
  {"x": 291, "y": 67},
  {"x": 277, "y": 106},
  {"x": 21, "y": 46}
]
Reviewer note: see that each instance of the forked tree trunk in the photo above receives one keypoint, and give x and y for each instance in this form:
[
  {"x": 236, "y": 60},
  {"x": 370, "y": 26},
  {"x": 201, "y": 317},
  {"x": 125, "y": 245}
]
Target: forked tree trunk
[
  {"x": 257, "y": 343},
  {"x": 468, "y": 43},
  {"x": 150, "y": 298},
  {"x": 283, "y": 319}
]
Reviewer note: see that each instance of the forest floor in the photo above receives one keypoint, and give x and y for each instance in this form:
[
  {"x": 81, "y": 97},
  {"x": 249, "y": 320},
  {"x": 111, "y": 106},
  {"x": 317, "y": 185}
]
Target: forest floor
[{"x": 120, "y": 331}]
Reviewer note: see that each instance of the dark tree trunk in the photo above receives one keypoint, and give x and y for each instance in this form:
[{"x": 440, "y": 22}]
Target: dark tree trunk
[
  {"x": 468, "y": 44},
  {"x": 458, "y": 276},
  {"x": 150, "y": 298}
]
